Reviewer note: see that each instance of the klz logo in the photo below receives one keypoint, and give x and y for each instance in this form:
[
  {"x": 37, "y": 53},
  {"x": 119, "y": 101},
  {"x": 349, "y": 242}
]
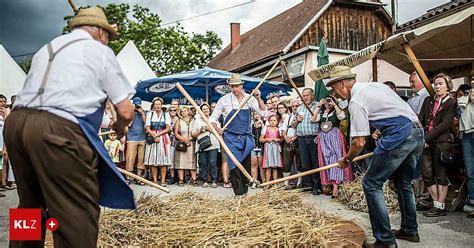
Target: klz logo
[{"x": 25, "y": 224}]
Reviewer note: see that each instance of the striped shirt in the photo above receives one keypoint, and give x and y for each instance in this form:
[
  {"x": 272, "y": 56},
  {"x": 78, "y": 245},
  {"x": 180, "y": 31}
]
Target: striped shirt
[{"x": 307, "y": 126}]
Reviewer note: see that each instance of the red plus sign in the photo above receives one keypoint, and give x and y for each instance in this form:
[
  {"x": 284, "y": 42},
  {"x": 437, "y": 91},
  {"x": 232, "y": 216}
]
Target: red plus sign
[{"x": 52, "y": 224}]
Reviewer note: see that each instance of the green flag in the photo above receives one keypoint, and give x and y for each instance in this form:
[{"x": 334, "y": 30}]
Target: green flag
[{"x": 320, "y": 90}]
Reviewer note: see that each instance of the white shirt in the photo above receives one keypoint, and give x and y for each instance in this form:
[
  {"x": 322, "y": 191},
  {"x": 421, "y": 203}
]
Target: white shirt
[
  {"x": 416, "y": 101},
  {"x": 375, "y": 101},
  {"x": 229, "y": 102},
  {"x": 151, "y": 116},
  {"x": 286, "y": 126},
  {"x": 82, "y": 76}
]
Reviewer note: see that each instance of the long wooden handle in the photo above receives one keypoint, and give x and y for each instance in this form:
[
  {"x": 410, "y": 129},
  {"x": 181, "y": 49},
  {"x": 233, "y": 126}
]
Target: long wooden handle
[
  {"x": 284, "y": 69},
  {"x": 108, "y": 132},
  {"x": 143, "y": 180},
  {"x": 216, "y": 134},
  {"x": 247, "y": 98},
  {"x": 314, "y": 170},
  {"x": 73, "y": 6}
]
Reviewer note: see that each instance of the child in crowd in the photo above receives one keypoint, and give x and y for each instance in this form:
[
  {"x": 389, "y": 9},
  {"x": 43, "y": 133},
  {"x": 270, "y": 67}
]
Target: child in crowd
[
  {"x": 114, "y": 147},
  {"x": 271, "y": 138}
]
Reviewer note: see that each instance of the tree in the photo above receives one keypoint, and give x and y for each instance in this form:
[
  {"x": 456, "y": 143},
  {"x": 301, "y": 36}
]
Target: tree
[
  {"x": 25, "y": 64},
  {"x": 166, "y": 49}
]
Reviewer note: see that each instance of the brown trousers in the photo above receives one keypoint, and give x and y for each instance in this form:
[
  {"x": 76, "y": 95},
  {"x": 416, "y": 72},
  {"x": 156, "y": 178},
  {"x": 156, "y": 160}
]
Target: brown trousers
[
  {"x": 55, "y": 170},
  {"x": 135, "y": 148}
]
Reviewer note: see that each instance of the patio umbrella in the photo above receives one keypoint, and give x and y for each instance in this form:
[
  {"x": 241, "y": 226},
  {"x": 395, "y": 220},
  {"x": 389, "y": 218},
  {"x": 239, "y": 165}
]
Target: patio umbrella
[
  {"x": 320, "y": 90},
  {"x": 206, "y": 84}
]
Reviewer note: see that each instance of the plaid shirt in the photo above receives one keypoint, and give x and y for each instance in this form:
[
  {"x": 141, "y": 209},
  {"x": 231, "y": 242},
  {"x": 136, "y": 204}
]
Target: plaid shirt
[{"x": 307, "y": 126}]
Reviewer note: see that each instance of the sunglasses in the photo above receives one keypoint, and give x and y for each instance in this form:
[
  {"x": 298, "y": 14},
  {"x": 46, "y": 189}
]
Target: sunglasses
[{"x": 172, "y": 110}]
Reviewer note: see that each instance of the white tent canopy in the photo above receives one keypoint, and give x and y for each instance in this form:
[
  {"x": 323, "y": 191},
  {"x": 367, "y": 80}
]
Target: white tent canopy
[
  {"x": 12, "y": 77},
  {"x": 133, "y": 64}
]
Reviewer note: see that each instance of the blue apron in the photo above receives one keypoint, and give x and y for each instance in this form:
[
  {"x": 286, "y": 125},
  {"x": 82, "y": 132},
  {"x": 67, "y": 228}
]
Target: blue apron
[
  {"x": 114, "y": 190},
  {"x": 238, "y": 136},
  {"x": 394, "y": 132}
]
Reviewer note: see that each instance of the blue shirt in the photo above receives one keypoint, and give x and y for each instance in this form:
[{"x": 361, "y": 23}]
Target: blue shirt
[
  {"x": 307, "y": 126},
  {"x": 137, "y": 131}
]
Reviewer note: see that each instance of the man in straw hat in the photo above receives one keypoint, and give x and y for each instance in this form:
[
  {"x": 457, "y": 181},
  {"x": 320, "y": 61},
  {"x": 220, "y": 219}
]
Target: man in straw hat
[
  {"x": 398, "y": 148},
  {"x": 238, "y": 135},
  {"x": 60, "y": 164}
]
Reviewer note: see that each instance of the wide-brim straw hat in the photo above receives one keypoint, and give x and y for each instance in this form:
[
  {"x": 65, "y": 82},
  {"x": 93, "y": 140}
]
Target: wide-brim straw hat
[
  {"x": 93, "y": 16},
  {"x": 235, "y": 79},
  {"x": 340, "y": 73}
]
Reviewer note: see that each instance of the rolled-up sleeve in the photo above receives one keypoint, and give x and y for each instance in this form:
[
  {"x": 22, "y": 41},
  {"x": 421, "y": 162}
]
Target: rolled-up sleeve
[
  {"x": 115, "y": 83},
  {"x": 359, "y": 120},
  {"x": 217, "y": 112},
  {"x": 253, "y": 104}
]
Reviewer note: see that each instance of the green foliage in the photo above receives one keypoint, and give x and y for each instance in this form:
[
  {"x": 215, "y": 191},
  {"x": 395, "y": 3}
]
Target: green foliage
[
  {"x": 166, "y": 49},
  {"x": 25, "y": 64}
]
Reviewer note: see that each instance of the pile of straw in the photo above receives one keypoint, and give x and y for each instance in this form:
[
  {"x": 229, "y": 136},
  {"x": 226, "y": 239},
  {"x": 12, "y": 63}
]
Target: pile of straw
[
  {"x": 269, "y": 218},
  {"x": 352, "y": 195}
]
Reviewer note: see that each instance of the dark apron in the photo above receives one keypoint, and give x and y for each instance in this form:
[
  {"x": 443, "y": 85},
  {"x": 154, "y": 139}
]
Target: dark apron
[
  {"x": 238, "y": 136},
  {"x": 114, "y": 190}
]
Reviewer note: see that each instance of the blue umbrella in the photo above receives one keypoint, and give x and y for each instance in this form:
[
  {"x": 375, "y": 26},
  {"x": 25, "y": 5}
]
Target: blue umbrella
[{"x": 202, "y": 84}]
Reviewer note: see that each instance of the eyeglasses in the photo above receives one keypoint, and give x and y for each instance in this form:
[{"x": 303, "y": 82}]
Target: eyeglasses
[
  {"x": 281, "y": 108},
  {"x": 172, "y": 110}
]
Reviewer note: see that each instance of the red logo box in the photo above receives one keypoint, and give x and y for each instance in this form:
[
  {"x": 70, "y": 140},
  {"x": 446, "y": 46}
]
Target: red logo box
[{"x": 25, "y": 224}]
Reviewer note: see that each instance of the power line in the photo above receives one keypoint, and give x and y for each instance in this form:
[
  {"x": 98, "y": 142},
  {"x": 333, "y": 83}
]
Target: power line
[{"x": 208, "y": 13}]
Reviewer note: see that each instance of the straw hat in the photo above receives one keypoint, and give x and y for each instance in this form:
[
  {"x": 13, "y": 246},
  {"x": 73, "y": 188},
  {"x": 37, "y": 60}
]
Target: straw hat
[
  {"x": 234, "y": 79},
  {"x": 340, "y": 73},
  {"x": 93, "y": 16}
]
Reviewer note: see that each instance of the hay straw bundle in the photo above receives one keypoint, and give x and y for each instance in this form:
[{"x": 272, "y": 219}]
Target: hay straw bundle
[
  {"x": 272, "y": 217},
  {"x": 352, "y": 195}
]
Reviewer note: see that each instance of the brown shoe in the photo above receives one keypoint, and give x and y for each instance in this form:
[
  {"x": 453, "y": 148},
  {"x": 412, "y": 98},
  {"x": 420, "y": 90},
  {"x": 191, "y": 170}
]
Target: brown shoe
[
  {"x": 435, "y": 212},
  {"x": 377, "y": 244},
  {"x": 470, "y": 215}
]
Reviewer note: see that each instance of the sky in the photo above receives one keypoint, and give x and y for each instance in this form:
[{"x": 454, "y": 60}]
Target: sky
[{"x": 26, "y": 25}]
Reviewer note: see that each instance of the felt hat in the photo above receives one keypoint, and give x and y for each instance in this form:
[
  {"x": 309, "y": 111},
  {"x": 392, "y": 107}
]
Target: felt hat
[
  {"x": 235, "y": 79},
  {"x": 93, "y": 16},
  {"x": 340, "y": 73}
]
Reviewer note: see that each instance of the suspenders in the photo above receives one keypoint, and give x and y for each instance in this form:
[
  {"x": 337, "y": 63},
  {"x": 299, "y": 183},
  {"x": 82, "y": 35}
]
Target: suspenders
[{"x": 48, "y": 68}]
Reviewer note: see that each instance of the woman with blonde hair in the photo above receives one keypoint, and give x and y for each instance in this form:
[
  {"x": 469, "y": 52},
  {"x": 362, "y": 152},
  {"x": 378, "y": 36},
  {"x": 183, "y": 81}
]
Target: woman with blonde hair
[
  {"x": 184, "y": 157},
  {"x": 158, "y": 147}
]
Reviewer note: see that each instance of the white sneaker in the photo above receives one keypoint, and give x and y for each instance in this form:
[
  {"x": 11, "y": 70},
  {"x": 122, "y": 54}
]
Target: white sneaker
[
  {"x": 205, "y": 185},
  {"x": 254, "y": 185},
  {"x": 214, "y": 185}
]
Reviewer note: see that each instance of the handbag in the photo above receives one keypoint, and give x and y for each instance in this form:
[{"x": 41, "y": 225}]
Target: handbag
[
  {"x": 204, "y": 143},
  {"x": 149, "y": 139},
  {"x": 447, "y": 158},
  {"x": 180, "y": 145}
]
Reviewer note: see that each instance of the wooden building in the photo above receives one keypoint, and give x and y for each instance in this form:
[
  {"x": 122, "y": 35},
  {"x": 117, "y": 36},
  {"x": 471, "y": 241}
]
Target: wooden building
[{"x": 347, "y": 25}]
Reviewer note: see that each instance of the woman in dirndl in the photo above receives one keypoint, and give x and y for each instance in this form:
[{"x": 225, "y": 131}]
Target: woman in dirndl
[
  {"x": 331, "y": 143},
  {"x": 158, "y": 146},
  {"x": 185, "y": 160}
]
